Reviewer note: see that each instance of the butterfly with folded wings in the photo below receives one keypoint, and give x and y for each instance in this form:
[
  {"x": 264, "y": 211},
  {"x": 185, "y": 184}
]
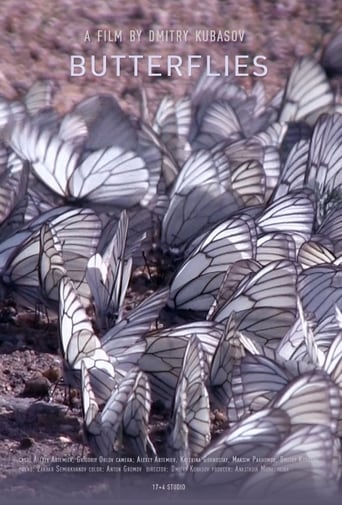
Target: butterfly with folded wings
[
  {"x": 81, "y": 159},
  {"x": 108, "y": 277},
  {"x": 265, "y": 302},
  {"x": 198, "y": 279},
  {"x": 190, "y": 424},
  {"x": 124, "y": 416},
  {"x": 61, "y": 236},
  {"x": 309, "y": 403},
  {"x": 79, "y": 343},
  {"x": 164, "y": 351}
]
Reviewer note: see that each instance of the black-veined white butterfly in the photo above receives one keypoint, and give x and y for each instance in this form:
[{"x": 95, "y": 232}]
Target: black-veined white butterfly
[
  {"x": 108, "y": 126},
  {"x": 51, "y": 267},
  {"x": 292, "y": 213},
  {"x": 257, "y": 377},
  {"x": 305, "y": 465},
  {"x": 264, "y": 303},
  {"x": 38, "y": 97},
  {"x": 211, "y": 186},
  {"x": 191, "y": 404},
  {"x": 294, "y": 346},
  {"x": 231, "y": 458},
  {"x": 331, "y": 228},
  {"x": 136, "y": 417},
  {"x": 108, "y": 176},
  {"x": 108, "y": 277},
  {"x": 13, "y": 187},
  {"x": 172, "y": 123},
  {"x": 197, "y": 281},
  {"x": 292, "y": 176},
  {"x": 296, "y": 133},
  {"x": 324, "y": 163},
  {"x": 77, "y": 232},
  {"x": 320, "y": 289},
  {"x": 307, "y": 91},
  {"x": 134, "y": 324},
  {"x": 229, "y": 350},
  {"x": 320, "y": 346},
  {"x": 215, "y": 101},
  {"x": 103, "y": 428},
  {"x": 35, "y": 102},
  {"x": 313, "y": 253},
  {"x": 80, "y": 344},
  {"x": 311, "y": 398},
  {"x": 124, "y": 343},
  {"x": 236, "y": 273},
  {"x": 163, "y": 356},
  {"x": 333, "y": 366},
  {"x": 193, "y": 211}
]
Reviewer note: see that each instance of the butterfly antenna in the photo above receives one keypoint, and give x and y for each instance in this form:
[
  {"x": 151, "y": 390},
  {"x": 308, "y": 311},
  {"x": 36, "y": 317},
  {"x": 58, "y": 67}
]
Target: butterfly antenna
[
  {"x": 52, "y": 390},
  {"x": 147, "y": 266}
]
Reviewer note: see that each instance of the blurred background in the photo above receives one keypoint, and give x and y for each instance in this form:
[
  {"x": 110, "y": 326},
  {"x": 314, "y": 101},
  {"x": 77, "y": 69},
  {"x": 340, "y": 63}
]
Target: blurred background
[{"x": 38, "y": 37}]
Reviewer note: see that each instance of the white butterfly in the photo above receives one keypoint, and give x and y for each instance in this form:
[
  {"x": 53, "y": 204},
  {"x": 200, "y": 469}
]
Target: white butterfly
[
  {"x": 80, "y": 344},
  {"x": 229, "y": 349},
  {"x": 76, "y": 235},
  {"x": 324, "y": 163},
  {"x": 191, "y": 409},
  {"x": 13, "y": 187},
  {"x": 257, "y": 377},
  {"x": 331, "y": 227},
  {"x": 305, "y": 465},
  {"x": 103, "y": 428},
  {"x": 107, "y": 176},
  {"x": 134, "y": 324},
  {"x": 292, "y": 176},
  {"x": 311, "y": 398},
  {"x": 307, "y": 91},
  {"x": 108, "y": 125},
  {"x": 125, "y": 343},
  {"x": 38, "y": 97},
  {"x": 232, "y": 457},
  {"x": 35, "y": 102},
  {"x": 108, "y": 277},
  {"x": 292, "y": 214},
  {"x": 236, "y": 273},
  {"x": 163, "y": 356},
  {"x": 136, "y": 417},
  {"x": 223, "y": 110},
  {"x": 211, "y": 186},
  {"x": 198, "y": 279},
  {"x": 320, "y": 289},
  {"x": 313, "y": 253},
  {"x": 333, "y": 366},
  {"x": 172, "y": 123},
  {"x": 51, "y": 266},
  {"x": 264, "y": 303}
]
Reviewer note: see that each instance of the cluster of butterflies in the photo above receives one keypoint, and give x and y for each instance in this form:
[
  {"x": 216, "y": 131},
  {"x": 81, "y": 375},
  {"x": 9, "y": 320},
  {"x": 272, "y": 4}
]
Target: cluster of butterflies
[{"x": 243, "y": 198}]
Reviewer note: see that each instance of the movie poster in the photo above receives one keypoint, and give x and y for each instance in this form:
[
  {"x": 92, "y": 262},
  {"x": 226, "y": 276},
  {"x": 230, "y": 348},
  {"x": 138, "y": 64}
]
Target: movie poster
[{"x": 170, "y": 251}]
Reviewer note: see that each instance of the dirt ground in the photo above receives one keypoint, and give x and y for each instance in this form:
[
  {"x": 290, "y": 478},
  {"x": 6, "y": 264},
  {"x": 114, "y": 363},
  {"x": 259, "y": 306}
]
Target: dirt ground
[{"x": 36, "y": 40}]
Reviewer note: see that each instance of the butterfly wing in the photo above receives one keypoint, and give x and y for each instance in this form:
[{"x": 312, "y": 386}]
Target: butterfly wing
[{"x": 79, "y": 343}]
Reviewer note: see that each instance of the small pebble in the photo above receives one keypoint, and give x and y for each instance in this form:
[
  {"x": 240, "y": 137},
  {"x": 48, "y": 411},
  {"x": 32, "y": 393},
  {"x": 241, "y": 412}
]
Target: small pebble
[
  {"x": 26, "y": 443},
  {"x": 38, "y": 387},
  {"x": 220, "y": 416},
  {"x": 53, "y": 374}
]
